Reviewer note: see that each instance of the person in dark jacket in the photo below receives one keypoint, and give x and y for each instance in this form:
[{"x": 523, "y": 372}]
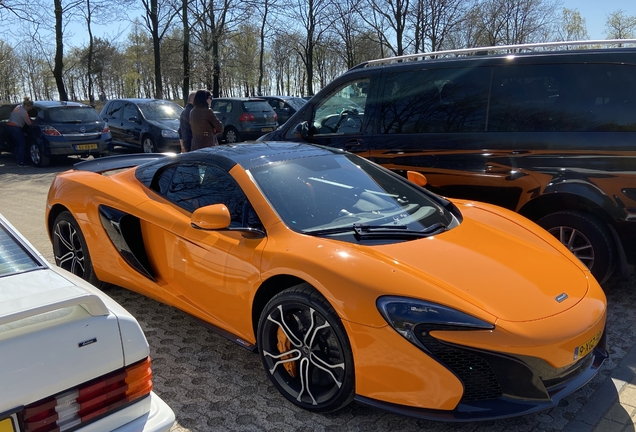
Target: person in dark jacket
[
  {"x": 204, "y": 124},
  {"x": 185, "y": 132},
  {"x": 17, "y": 120}
]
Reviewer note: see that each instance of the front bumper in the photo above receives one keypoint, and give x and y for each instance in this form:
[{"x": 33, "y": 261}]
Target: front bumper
[{"x": 504, "y": 405}]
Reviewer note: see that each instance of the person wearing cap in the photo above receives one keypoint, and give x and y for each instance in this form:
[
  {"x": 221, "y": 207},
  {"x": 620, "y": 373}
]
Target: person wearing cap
[{"x": 17, "y": 120}]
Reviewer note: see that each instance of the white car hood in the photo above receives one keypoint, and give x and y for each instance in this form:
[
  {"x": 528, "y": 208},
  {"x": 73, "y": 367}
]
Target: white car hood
[{"x": 55, "y": 333}]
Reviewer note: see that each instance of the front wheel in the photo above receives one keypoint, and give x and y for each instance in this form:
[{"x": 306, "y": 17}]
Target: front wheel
[
  {"x": 148, "y": 145},
  {"x": 586, "y": 237},
  {"x": 305, "y": 350},
  {"x": 38, "y": 157},
  {"x": 70, "y": 249}
]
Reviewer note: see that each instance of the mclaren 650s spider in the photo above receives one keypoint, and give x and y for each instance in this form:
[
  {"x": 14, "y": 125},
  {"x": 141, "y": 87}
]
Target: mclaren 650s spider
[{"x": 350, "y": 281}]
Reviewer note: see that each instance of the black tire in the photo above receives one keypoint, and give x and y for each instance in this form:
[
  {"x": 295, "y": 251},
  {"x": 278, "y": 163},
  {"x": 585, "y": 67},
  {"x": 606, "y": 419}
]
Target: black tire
[
  {"x": 148, "y": 144},
  {"x": 319, "y": 376},
  {"x": 70, "y": 249},
  {"x": 587, "y": 238},
  {"x": 38, "y": 157},
  {"x": 231, "y": 135}
]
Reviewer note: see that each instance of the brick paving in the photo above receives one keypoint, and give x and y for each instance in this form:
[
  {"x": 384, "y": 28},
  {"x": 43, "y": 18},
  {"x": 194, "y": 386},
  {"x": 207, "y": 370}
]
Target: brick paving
[{"x": 215, "y": 385}]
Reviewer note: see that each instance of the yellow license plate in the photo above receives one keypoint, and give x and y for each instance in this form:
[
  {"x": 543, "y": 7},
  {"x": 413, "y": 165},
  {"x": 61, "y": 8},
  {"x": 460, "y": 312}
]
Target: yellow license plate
[
  {"x": 6, "y": 425},
  {"x": 85, "y": 147},
  {"x": 267, "y": 129},
  {"x": 584, "y": 349}
]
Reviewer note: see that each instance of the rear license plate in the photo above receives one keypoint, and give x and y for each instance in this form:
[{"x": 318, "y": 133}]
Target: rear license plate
[
  {"x": 6, "y": 425},
  {"x": 584, "y": 349},
  {"x": 267, "y": 129},
  {"x": 84, "y": 147}
]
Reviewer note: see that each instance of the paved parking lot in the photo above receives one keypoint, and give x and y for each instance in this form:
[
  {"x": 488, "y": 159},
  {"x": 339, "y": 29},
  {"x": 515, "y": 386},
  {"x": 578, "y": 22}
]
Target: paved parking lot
[{"x": 215, "y": 385}]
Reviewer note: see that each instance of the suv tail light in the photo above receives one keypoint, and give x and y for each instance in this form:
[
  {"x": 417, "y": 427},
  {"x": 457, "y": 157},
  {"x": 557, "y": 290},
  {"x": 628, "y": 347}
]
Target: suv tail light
[
  {"x": 246, "y": 117},
  {"x": 89, "y": 401},
  {"x": 50, "y": 131},
  {"x": 106, "y": 129},
  {"x": 275, "y": 117}
]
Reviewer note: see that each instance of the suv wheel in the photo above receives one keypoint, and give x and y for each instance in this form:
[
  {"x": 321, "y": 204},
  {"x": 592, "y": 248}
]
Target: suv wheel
[
  {"x": 148, "y": 144},
  {"x": 231, "y": 136},
  {"x": 586, "y": 237},
  {"x": 38, "y": 158}
]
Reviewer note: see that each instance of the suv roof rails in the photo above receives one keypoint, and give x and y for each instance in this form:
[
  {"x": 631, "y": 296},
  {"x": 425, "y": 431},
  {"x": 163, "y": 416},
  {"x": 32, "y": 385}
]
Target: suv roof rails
[{"x": 517, "y": 48}]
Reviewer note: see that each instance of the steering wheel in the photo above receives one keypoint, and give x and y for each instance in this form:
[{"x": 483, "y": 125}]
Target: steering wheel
[{"x": 349, "y": 114}]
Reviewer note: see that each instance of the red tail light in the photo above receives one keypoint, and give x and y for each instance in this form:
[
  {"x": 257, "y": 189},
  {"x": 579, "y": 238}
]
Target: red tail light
[
  {"x": 106, "y": 129},
  {"x": 90, "y": 400},
  {"x": 246, "y": 117},
  {"x": 50, "y": 131},
  {"x": 275, "y": 117}
]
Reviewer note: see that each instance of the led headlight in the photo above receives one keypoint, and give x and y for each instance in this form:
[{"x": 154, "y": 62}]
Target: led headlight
[
  {"x": 167, "y": 133},
  {"x": 404, "y": 314}
]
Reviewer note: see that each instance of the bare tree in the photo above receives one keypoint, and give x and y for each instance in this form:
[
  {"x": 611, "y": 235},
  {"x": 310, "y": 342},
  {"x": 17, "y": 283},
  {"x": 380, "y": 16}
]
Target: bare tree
[
  {"x": 571, "y": 27},
  {"x": 381, "y": 15},
  {"x": 435, "y": 20},
  {"x": 620, "y": 26},
  {"x": 348, "y": 27},
  {"x": 158, "y": 17}
]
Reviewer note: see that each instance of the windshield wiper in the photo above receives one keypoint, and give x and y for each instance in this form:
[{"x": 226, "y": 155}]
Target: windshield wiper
[{"x": 365, "y": 231}]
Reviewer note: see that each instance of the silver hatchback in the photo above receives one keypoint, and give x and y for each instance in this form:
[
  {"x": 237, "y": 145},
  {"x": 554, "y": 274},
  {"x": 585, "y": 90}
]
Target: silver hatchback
[{"x": 244, "y": 119}]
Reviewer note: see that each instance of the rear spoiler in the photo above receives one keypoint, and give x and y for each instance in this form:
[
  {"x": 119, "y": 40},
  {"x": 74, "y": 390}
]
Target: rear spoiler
[
  {"x": 21, "y": 307},
  {"x": 110, "y": 163}
]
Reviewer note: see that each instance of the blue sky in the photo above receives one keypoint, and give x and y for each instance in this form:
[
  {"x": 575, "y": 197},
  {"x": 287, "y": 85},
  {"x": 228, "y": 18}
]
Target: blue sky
[{"x": 595, "y": 13}]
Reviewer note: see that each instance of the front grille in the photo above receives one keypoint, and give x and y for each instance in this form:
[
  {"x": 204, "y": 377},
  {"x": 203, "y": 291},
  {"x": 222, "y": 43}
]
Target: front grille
[{"x": 478, "y": 378}]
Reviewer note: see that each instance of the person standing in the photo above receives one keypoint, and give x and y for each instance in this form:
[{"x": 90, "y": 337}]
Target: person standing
[
  {"x": 185, "y": 131},
  {"x": 204, "y": 124},
  {"x": 17, "y": 120}
]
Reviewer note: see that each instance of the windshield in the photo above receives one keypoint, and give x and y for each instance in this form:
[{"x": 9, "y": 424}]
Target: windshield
[
  {"x": 73, "y": 115},
  {"x": 13, "y": 257},
  {"x": 160, "y": 110},
  {"x": 341, "y": 193},
  {"x": 296, "y": 103}
]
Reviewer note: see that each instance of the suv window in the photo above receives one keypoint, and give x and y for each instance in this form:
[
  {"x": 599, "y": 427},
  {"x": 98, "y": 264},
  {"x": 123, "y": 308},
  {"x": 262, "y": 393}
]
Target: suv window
[
  {"x": 563, "y": 98},
  {"x": 342, "y": 112},
  {"x": 445, "y": 100},
  {"x": 130, "y": 111}
]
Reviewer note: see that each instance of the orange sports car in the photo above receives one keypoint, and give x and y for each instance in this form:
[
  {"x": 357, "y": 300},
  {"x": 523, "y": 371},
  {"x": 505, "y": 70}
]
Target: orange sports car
[{"x": 350, "y": 281}]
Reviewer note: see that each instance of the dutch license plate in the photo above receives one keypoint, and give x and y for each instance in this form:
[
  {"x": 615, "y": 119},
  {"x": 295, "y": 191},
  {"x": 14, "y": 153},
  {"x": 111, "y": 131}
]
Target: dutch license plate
[
  {"x": 84, "y": 147},
  {"x": 584, "y": 349},
  {"x": 267, "y": 129},
  {"x": 6, "y": 425}
]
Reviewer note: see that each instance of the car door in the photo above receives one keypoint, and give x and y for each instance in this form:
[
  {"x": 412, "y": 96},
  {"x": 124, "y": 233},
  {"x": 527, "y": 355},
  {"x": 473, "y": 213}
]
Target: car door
[
  {"x": 209, "y": 273},
  {"x": 112, "y": 115},
  {"x": 131, "y": 124}
]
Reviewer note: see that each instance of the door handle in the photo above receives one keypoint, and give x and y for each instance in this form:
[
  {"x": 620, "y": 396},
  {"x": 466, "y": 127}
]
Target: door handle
[{"x": 353, "y": 143}]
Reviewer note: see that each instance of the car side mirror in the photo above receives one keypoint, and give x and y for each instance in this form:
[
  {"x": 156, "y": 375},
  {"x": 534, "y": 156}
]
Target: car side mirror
[
  {"x": 212, "y": 217},
  {"x": 417, "y": 178}
]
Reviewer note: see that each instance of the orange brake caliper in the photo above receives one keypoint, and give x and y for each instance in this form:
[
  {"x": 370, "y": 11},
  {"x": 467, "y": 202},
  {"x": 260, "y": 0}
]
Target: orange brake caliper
[{"x": 284, "y": 345}]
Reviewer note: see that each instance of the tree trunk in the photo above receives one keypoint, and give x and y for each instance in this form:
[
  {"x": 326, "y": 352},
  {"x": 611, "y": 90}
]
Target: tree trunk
[
  {"x": 154, "y": 19},
  {"x": 59, "y": 51},
  {"x": 89, "y": 66},
  {"x": 186, "y": 54}
]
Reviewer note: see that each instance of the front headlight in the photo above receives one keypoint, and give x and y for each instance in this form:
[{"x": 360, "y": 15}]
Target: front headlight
[
  {"x": 404, "y": 314},
  {"x": 167, "y": 133}
]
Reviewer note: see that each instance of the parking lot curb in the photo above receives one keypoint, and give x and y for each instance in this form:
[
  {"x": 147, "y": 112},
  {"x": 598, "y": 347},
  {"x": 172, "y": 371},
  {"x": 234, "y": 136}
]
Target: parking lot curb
[{"x": 605, "y": 397}]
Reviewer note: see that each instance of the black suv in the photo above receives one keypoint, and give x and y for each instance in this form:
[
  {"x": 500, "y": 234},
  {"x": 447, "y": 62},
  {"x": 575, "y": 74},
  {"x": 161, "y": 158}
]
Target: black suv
[
  {"x": 59, "y": 129},
  {"x": 150, "y": 124},
  {"x": 548, "y": 134}
]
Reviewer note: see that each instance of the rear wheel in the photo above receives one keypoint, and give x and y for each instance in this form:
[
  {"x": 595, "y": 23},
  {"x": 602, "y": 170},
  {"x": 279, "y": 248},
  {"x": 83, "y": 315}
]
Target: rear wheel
[
  {"x": 70, "y": 249},
  {"x": 148, "y": 144},
  {"x": 586, "y": 237},
  {"x": 305, "y": 350},
  {"x": 231, "y": 135},
  {"x": 38, "y": 158}
]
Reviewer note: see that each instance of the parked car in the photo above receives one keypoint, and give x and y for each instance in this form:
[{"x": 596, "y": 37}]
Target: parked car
[
  {"x": 350, "y": 281},
  {"x": 244, "y": 118},
  {"x": 548, "y": 134},
  {"x": 284, "y": 106},
  {"x": 59, "y": 129},
  {"x": 150, "y": 124},
  {"x": 72, "y": 358}
]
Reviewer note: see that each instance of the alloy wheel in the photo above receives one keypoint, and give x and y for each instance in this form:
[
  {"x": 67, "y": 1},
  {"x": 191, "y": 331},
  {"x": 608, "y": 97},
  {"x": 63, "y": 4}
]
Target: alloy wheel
[
  {"x": 68, "y": 249},
  {"x": 576, "y": 242}
]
